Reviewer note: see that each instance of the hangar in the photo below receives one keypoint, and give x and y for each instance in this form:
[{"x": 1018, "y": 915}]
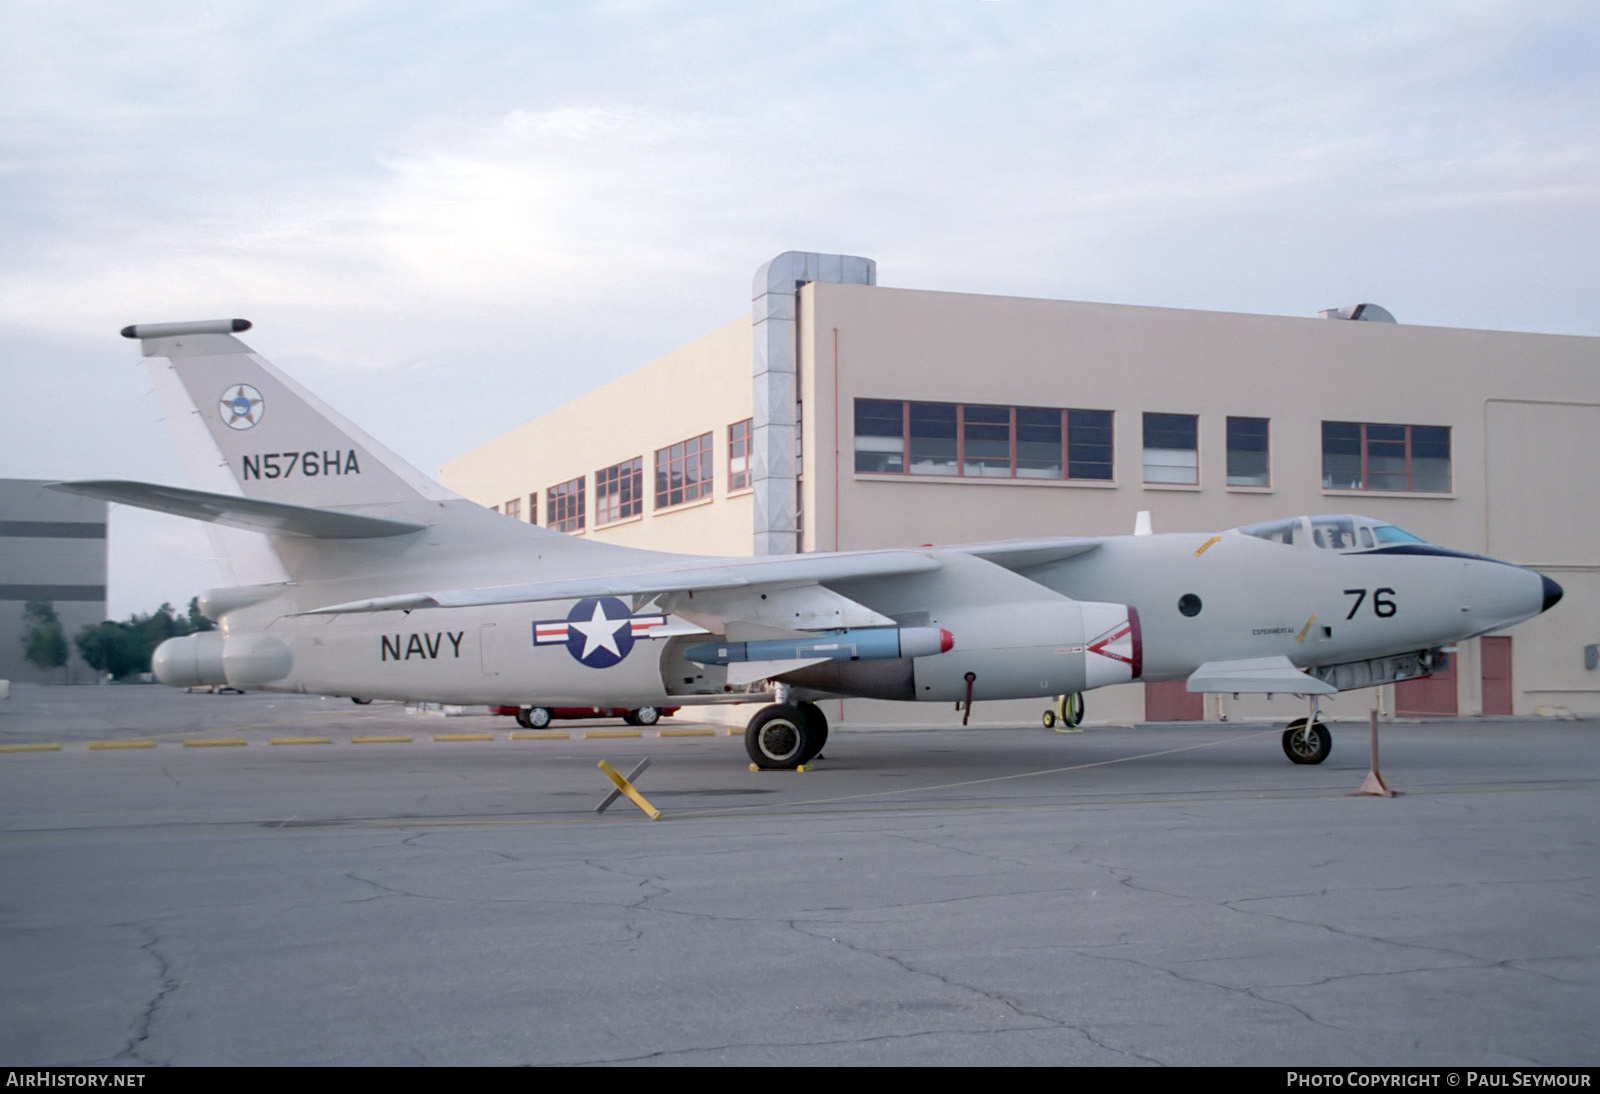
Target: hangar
[
  {"x": 52, "y": 548},
  {"x": 840, "y": 414}
]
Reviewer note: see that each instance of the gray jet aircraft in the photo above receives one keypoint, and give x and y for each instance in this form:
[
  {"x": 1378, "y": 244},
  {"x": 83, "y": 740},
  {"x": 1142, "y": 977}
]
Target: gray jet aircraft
[{"x": 398, "y": 588}]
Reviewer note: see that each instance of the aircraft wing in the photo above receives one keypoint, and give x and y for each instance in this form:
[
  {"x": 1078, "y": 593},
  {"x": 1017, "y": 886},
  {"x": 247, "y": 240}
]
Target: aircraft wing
[
  {"x": 272, "y": 517},
  {"x": 1257, "y": 675},
  {"x": 1024, "y": 554},
  {"x": 747, "y": 574}
]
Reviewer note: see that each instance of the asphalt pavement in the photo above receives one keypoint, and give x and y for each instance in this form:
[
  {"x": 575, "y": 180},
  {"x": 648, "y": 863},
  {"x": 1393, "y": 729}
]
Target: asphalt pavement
[{"x": 1162, "y": 894}]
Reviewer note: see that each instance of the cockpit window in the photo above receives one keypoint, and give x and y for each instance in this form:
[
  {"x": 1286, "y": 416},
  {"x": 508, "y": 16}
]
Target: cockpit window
[
  {"x": 1277, "y": 531},
  {"x": 1337, "y": 532},
  {"x": 1333, "y": 533},
  {"x": 1388, "y": 533}
]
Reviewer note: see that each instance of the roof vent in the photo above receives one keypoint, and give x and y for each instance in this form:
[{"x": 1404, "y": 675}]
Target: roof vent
[{"x": 1372, "y": 313}]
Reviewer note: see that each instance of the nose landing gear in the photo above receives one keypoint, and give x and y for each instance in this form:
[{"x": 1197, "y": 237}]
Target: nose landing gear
[{"x": 1307, "y": 741}]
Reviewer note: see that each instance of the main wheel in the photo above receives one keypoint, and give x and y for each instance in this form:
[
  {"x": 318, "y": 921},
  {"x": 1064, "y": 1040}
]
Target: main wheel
[
  {"x": 1072, "y": 710},
  {"x": 819, "y": 730},
  {"x": 359, "y": 702},
  {"x": 646, "y": 716},
  {"x": 781, "y": 736},
  {"x": 534, "y": 718},
  {"x": 1305, "y": 744}
]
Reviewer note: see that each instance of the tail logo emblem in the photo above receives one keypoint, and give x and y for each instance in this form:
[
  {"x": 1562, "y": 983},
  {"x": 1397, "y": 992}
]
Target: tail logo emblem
[{"x": 242, "y": 407}]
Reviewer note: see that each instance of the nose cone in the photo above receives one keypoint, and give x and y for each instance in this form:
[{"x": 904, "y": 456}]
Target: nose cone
[{"x": 1552, "y": 593}]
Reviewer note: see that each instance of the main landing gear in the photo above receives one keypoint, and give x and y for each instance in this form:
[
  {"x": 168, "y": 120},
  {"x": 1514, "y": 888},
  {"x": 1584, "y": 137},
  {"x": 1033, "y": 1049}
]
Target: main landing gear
[
  {"x": 786, "y": 735},
  {"x": 1066, "y": 712}
]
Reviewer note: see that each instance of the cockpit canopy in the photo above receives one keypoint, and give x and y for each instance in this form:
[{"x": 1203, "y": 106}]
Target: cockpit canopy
[{"x": 1344, "y": 532}]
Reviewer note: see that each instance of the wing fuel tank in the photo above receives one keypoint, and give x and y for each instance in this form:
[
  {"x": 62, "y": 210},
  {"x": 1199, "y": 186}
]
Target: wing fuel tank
[{"x": 857, "y": 644}]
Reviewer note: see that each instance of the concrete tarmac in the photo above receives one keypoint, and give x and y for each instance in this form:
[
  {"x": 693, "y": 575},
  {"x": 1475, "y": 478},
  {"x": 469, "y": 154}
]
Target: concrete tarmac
[{"x": 1170, "y": 894}]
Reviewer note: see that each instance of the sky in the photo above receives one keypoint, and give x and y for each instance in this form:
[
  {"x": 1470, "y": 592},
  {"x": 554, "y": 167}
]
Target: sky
[{"x": 447, "y": 219}]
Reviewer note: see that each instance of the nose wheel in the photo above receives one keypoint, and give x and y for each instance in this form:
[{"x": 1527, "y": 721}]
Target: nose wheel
[{"x": 1307, "y": 741}]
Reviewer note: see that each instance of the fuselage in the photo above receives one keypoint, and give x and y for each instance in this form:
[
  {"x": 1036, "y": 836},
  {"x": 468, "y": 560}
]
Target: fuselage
[{"x": 1310, "y": 589}]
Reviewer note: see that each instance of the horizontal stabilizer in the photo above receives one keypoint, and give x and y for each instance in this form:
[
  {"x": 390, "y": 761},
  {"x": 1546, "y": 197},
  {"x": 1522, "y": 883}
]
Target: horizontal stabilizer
[
  {"x": 733, "y": 573},
  {"x": 1256, "y": 675},
  {"x": 272, "y": 517}
]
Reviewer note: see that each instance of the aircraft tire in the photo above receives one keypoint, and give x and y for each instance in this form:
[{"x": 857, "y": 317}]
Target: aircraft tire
[
  {"x": 645, "y": 716},
  {"x": 1049, "y": 719},
  {"x": 535, "y": 717},
  {"x": 1305, "y": 745},
  {"x": 359, "y": 702},
  {"x": 1072, "y": 710},
  {"x": 780, "y": 737},
  {"x": 819, "y": 730}
]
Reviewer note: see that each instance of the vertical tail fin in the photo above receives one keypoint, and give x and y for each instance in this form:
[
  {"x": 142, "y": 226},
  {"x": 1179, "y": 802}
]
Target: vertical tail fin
[{"x": 277, "y": 441}]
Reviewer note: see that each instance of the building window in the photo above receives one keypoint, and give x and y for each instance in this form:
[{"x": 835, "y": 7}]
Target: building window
[
  {"x": 1366, "y": 456},
  {"x": 978, "y": 441},
  {"x": 1172, "y": 449},
  {"x": 619, "y": 491},
  {"x": 880, "y": 436},
  {"x": 683, "y": 472},
  {"x": 565, "y": 506},
  {"x": 1089, "y": 444},
  {"x": 513, "y": 508},
  {"x": 739, "y": 455},
  {"x": 533, "y": 508},
  {"x": 1247, "y": 452}
]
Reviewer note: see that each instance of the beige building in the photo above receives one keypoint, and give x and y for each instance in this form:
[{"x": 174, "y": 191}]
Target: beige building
[{"x": 840, "y": 414}]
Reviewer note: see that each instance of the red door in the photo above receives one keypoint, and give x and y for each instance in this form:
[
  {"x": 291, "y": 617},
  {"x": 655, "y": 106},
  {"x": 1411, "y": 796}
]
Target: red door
[
  {"x": 1430, "y": 697},
  {"x": 1495, "y": 654},
  {"x": 1172, "y": 701}
]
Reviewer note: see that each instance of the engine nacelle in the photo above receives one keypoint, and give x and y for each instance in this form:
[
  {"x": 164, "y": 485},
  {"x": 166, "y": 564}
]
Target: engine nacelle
[
  {"x": 193, "y": 661},
  {"x": 1017, "y": 651},
  {"x": 1014, "y": 651},
  {"x": 209, "y": 659}
]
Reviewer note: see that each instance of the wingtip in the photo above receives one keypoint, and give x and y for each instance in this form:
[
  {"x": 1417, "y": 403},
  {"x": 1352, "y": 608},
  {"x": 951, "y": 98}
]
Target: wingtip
[{"x": 169, "y": 330}]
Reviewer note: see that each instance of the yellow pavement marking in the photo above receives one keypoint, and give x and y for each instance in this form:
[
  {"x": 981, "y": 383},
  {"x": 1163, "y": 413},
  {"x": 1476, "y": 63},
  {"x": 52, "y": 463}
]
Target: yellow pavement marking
[
  {"x": 551, "y": 735},
  {"x": 223, "y": 743},
  {"x": 397, "y": 740},
  {"x": 687, "y": 733},
  {"x": 96, "y": 746},
  {"x": 30, "y": 748},
  {"x": 463, "y": 736},
  {"x": 606, "y": 734},
  {"x": 301, "y": 741}
]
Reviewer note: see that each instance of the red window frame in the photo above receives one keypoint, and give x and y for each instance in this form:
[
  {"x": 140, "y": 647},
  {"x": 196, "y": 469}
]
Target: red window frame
[
  {"x": 739, "y": 454},
  {"x": 1409, "y": 439},
  {"x": 619, "y": 491},
  {"x": 684, "y": 472},
  {"x": 963, "y": 436},
  {"x": 566, "y": 505}
]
